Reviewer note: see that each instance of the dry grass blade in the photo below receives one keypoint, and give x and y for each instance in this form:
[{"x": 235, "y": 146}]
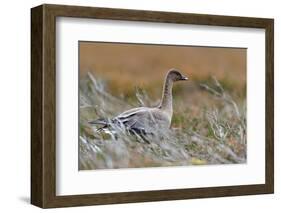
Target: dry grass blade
[{"x": 215, "y": 135}]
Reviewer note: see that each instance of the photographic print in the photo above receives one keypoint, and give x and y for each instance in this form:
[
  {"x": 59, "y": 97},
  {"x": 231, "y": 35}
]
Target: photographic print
[
  {"x": 153, "y": 100},
  {"x": 149, "y": 105}
]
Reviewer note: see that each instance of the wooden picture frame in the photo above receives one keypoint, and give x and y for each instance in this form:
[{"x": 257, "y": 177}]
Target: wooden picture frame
[{"x": 43, "y": 105}]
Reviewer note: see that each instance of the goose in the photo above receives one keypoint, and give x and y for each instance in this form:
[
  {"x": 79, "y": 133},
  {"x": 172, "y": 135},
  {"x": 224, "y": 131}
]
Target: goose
[{"x": 146, "y": 120}]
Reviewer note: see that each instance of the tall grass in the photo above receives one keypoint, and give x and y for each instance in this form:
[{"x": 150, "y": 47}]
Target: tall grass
[{"x": 214, "y": 135}]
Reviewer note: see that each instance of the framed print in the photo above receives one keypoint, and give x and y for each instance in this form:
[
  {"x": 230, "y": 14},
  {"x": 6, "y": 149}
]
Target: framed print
[{"x": 136, "y": 106}]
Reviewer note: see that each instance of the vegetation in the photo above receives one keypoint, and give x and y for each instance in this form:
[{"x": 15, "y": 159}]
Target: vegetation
[{"x": 212, "y": 132}]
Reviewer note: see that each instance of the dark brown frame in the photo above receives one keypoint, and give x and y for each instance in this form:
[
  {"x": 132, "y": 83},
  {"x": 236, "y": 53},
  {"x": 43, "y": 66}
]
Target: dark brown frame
[{"x": 43, "y": 105}]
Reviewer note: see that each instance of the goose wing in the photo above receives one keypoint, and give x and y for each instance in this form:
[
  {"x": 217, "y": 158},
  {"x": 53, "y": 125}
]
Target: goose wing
[
  {"x": 144, "y": 119},
  {"x": 127, "y": 118},
  {"x": 140, "y": 120}
]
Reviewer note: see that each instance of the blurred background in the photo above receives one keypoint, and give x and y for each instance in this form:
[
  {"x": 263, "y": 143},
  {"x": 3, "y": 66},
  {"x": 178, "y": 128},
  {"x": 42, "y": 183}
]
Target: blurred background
[{"x": 125, "y": 66}]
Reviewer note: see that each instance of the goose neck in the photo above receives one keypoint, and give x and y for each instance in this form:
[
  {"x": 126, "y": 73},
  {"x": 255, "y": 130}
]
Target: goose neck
[{"x": 167, "y": 99}]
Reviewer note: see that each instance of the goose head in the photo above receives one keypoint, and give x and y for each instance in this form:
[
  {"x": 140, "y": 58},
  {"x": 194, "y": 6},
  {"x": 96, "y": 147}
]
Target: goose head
[{"x": 175, "y": 75}]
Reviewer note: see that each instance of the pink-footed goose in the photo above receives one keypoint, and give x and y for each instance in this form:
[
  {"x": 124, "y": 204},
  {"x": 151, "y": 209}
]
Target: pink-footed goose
[{"x": 146, "y": 120}]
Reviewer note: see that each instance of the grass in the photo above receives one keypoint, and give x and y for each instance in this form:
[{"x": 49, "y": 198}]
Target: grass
[{"x": 212, "y": 132}]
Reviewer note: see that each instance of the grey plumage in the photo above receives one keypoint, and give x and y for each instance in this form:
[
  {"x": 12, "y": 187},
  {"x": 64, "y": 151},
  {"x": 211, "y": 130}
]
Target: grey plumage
[{"x": 146, "y": 120}]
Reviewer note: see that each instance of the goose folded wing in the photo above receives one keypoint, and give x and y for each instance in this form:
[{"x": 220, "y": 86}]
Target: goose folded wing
[
  {"x": 135, "y": 118},
  {"x": 143, "y": 119}
]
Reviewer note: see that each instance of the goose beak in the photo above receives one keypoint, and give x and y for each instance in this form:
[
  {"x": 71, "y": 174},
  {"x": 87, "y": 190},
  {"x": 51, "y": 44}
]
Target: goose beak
[{"x": 183, "y": 78}]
